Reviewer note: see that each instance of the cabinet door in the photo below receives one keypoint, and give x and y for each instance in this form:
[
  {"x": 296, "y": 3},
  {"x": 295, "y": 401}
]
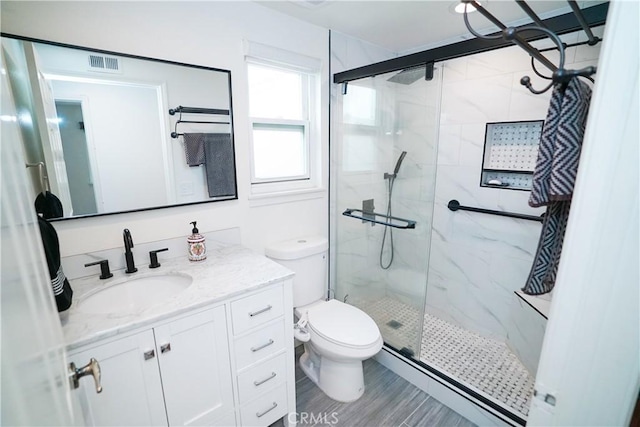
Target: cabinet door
[
  {"x": 193, "y": 354},
  {"x": 131, "y": 387}
]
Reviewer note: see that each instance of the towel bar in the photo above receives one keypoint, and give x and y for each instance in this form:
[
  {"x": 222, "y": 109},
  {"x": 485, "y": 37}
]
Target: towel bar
[{"x": 370, "y": 217}]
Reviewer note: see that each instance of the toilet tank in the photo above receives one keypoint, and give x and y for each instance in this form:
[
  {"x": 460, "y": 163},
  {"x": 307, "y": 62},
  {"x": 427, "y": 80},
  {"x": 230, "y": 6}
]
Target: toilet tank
[{"x": 307, "y": 257}]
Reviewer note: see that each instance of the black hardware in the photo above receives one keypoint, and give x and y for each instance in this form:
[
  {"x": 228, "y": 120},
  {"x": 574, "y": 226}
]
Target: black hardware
[
  {"x": 128, "y": 255},
  {"x": 560, "y": 75},
  {"x": 153, "y": 257},
  {"x": 562, "y": 24},
  {"x": 104, "y": 268},
  {"x": 370, "y": 217},
  {"x": 196, "y": 110},
  {"x": 455, "y": 205},
  {"x": 428, "y": 72}
]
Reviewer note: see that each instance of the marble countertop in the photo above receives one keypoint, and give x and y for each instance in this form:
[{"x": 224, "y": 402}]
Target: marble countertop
[{"x": 227, "y": 272}]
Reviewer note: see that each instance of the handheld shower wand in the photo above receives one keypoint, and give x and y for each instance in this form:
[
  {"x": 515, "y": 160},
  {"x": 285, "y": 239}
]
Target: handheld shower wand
[
  {"x": 391, "y": 177},
  {"x": 397, "y": 168}
]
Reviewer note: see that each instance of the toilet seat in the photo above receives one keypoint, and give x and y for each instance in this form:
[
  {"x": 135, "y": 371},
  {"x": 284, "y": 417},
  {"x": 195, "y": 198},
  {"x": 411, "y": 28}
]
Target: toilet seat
[{"x": 343, "y": 324}]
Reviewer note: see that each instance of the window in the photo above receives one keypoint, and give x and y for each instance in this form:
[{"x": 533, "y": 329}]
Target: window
[{"x": 283, "y": 141}]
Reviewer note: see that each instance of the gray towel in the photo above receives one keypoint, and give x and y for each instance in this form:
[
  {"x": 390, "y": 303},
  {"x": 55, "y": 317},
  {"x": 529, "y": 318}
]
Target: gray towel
[
  {"x": 554, "y": 178},
  {"x": 194, "y": 148},
  {"x": 219, "y": 163}
]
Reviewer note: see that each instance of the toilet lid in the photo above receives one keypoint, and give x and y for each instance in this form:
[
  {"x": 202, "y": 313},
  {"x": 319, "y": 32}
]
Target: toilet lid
[{"x": 343, "y": 324}]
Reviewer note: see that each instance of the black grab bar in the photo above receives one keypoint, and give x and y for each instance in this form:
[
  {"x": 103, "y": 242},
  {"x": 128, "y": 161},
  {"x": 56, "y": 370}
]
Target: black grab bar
[{"x": 455, "y": 205}]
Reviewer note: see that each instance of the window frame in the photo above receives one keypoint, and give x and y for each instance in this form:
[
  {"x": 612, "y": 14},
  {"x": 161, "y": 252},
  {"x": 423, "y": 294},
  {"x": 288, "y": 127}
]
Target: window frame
[{"x": 310, "y": 98}]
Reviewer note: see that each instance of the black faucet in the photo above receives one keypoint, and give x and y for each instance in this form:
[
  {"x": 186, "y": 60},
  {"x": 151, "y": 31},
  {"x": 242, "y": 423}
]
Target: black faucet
[{"x": 128, "y": 255}]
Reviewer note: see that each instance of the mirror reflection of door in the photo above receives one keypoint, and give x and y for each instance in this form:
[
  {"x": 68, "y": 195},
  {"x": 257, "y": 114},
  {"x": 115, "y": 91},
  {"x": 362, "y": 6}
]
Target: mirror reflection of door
[{"x": 76, "y": 156}]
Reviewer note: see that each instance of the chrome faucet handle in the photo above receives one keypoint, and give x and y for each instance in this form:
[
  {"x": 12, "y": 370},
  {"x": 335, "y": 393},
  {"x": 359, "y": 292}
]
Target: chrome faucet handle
[
  {"x": 153, "y": 257},
  {"x": 104, "y": 268}
]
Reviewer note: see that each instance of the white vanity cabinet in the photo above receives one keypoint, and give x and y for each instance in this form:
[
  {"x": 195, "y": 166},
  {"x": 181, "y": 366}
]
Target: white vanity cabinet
[
  {"x": 229, "y": 364},
  {"x": 176, "y": 373}
]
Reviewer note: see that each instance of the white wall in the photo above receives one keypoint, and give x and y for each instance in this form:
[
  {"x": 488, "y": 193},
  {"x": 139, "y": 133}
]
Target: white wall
[{"x": 202, "y": 33}]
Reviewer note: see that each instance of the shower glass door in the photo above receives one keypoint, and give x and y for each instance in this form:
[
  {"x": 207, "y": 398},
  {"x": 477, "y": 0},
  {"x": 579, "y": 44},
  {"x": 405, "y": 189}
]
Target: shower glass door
[{"x": 384, "y": 159}]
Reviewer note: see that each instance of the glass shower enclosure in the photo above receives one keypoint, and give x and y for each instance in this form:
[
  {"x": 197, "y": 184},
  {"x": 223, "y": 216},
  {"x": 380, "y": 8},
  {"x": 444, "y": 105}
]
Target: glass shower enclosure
[{"x": 384, "y": 163}]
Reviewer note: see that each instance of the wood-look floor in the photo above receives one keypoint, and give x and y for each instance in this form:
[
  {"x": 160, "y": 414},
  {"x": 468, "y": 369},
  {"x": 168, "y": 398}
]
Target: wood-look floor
[{"x": 388, "y": 400}]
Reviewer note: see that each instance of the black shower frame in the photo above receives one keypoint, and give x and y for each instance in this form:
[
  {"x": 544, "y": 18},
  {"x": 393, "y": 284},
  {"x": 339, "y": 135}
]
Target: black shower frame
[{"x": 567, "y": 23}]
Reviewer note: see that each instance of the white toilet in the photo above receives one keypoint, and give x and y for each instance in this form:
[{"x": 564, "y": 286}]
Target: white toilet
[{"x": 341, "y": 335}]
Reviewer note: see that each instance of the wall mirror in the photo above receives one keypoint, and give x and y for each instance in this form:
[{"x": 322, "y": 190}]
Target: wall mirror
[{"x": 120, "y": 133}]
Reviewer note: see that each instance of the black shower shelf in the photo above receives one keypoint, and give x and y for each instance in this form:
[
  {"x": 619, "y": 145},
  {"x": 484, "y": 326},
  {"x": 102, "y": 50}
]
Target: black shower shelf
[{"x": 370, "y": 217}]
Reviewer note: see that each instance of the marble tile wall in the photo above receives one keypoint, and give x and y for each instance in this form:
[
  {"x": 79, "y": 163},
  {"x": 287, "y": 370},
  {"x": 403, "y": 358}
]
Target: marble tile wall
[{"x": 477, "y": 261}]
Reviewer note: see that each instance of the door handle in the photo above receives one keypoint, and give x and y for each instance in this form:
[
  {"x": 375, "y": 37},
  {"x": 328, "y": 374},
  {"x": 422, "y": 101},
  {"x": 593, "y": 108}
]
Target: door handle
[
  {"x": 91, "y": 368},
  {"x": 164, "y": 348}
]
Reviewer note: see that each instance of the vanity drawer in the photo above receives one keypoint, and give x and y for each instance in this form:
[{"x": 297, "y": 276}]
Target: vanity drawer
[
  {"x": 266, "y": 409},
  {"x": 259, "y": 345},
  {"x": 257, "y": 309},
  {"x": 261, "y": 378}
]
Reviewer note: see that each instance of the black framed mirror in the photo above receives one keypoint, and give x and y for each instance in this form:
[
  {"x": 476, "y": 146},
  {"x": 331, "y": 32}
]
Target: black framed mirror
[{"x": 120, "y": 133}]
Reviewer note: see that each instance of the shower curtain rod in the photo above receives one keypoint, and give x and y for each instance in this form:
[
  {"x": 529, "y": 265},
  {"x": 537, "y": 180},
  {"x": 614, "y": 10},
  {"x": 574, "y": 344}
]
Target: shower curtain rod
[
  {"x": 455, "y": 205},
  {"x": 593, "y": 16}
]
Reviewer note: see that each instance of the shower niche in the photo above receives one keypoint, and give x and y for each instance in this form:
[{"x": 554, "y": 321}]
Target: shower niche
[{"x": 510, "y": 154}]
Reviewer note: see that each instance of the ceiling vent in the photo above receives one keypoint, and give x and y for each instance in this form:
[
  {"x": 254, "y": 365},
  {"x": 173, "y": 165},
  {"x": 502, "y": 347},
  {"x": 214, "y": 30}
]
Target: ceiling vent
[{"x": 104, "y": 64}]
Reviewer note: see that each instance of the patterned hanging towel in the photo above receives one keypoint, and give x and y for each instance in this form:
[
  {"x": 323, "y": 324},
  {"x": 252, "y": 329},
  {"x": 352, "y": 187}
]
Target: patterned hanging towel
[{"x": 554, "y": 178}]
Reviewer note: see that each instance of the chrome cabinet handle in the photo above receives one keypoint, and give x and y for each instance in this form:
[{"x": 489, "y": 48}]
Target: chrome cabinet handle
[
  {"x": 255, "y": 313},
  {"x": 257, "y": 383},
  {"x": 165, "y": 348},
  {"x": 149, "y": 354},
  {"x": 267, "y": 344},
  {"x": 91, "y": 368},
  {"x": 260, "y": 414}
]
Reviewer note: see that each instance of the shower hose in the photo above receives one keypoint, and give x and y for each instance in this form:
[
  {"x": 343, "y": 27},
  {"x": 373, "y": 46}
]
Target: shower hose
[{"x": 384, "y": 266}]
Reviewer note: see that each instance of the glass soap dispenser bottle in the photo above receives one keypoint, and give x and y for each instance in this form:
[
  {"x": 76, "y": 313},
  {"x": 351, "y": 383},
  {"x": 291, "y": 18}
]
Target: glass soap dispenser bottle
[{"x": 196, "y": 245}]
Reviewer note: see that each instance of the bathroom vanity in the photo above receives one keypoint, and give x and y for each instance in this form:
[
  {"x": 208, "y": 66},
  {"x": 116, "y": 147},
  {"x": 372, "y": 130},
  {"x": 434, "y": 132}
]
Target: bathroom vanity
[{"x": 219, "y": 351}]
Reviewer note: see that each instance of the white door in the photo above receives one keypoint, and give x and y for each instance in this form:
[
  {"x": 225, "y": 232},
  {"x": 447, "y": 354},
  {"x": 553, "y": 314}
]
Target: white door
[{"x": 34, "y": 388}]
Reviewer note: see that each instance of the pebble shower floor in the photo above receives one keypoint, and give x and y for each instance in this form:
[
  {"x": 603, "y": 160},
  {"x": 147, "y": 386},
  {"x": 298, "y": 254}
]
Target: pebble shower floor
[{"x": 483, "y": 363}]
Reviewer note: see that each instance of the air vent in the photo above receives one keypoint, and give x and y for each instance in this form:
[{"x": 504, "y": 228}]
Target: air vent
[{"x": 104, "y": 64}]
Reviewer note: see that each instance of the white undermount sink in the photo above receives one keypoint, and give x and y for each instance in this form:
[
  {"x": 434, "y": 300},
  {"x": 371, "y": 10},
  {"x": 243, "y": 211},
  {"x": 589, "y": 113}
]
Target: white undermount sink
[{"x": 134, "y": 294}]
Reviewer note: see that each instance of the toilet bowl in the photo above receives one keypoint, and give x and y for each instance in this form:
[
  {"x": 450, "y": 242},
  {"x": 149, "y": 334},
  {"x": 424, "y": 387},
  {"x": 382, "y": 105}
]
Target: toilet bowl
[
  {"x": 338, "y": 336},
  {"x": 342, "y": 336}
]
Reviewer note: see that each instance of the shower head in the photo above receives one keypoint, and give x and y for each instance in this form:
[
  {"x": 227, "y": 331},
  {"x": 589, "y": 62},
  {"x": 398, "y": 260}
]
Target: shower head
[
  {"x": 411, "y": 75},
  {"x": 408, "y": 75},
  {"x": 399, "y": 162}
]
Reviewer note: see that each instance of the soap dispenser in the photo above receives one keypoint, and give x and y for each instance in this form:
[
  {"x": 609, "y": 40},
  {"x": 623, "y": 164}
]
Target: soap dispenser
[{"x": 197, "y": 248}]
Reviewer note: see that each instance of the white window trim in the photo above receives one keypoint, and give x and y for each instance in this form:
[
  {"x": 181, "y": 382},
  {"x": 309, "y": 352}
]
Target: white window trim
[{"x": 311, "y": 101}]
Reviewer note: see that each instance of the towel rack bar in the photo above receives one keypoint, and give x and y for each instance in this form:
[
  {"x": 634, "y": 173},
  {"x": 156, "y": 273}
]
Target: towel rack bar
[
  {"x": 197, "y": 110},
  {"x": 455, "y": 205},
  {"x": 593, "y": 40},
  {"x": 370, "y": 217}
]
